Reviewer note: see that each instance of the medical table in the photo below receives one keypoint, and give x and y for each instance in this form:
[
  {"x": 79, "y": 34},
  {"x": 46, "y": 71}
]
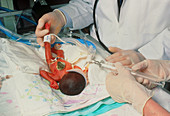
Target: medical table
[{"x": 27, "y": 94}]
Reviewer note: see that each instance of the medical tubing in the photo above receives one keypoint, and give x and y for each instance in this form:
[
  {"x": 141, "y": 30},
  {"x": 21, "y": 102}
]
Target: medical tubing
[
  {"x": 58, "y": 38},
  {"x": 70, "y": 41},
  {"x": 8, "y": 10},
  {"x": 91, "y": 50},
  {"x": 9, "y": 33},
  {"x": 16, "y": 37},
  {"x": 76, "y": 42},
  {"x": 84, "y": 38}
]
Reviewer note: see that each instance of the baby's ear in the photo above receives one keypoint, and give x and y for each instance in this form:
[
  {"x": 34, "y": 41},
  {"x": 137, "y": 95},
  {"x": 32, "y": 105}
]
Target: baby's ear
[{"x": 72, "y": 83}]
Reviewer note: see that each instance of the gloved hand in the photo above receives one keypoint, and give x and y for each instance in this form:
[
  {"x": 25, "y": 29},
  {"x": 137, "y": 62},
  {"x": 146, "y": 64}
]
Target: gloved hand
[
  {"x": 126, "y": 57},
  {"x": 124, "y": 88},
  {"x": 56, "y": 19},
  {"x": 157, "y": 68}
]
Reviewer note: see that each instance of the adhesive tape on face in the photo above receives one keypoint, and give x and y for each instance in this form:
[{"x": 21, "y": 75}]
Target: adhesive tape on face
[
  {"x": 80, "y": 72},
  {"x": 47, "y": 38}
]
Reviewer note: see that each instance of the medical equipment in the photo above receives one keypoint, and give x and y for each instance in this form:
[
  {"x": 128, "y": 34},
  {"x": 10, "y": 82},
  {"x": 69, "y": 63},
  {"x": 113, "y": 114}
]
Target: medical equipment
[
  {"x": 95, "y": 26},
  {"x": 90, "y": 49},
  {"x": 91, "y": 41},
  {"x": 18, "y": 14},
  {"x": 110, "y": 66},
  {"x": 29, "y": 39}
]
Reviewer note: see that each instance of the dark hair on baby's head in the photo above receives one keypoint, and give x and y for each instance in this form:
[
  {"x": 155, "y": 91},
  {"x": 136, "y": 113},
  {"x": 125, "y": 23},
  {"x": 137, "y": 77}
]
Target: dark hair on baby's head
[{"x": 72, "y": 83}]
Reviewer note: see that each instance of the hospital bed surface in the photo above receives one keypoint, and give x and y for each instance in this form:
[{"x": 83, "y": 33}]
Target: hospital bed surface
[{"x": 25, "y": 93}]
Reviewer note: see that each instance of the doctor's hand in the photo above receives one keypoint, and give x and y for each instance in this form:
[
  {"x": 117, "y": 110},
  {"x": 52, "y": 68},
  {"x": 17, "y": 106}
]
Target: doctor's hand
[
  {"x": 56, "y": 19},
  {"x": 157, "y": 68},
  {"x": 126, "y": 57},
  {"x": 123, "y": 87}
]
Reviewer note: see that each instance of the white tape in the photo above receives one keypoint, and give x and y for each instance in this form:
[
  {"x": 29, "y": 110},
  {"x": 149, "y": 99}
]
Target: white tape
[{"x": 47, "y": 38}]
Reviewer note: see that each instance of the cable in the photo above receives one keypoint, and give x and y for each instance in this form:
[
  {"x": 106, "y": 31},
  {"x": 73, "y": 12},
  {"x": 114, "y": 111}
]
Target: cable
[
  {"x": 23, "y": 17},
  {"x": 16, "y": 37},
  {"x": 96, "y": 30}
]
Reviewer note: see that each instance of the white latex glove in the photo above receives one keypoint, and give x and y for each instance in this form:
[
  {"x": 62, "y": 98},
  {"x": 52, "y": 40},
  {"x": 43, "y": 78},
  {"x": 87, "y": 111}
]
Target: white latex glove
[
  {"x": 124, "y": 88},
  {"x": 157, "y": 68},
  {"x": 56, "y": 19},
  {"x": 126, "y": 57}
]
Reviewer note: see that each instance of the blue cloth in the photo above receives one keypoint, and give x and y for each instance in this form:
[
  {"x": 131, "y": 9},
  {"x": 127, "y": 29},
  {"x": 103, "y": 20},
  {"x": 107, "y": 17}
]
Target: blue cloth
[{"x": 94, "y": 109}]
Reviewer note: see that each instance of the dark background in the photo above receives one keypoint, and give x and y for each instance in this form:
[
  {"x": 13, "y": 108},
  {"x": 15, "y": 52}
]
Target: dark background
[{"x": 25, "y": 26}]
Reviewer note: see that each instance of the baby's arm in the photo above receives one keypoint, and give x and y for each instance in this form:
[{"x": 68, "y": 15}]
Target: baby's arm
[{"x": 46, "y": 75}]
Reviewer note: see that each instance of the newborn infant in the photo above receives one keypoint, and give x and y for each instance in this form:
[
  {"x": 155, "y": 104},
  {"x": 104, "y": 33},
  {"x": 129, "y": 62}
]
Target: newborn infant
[{"x": 71, "y": 78}]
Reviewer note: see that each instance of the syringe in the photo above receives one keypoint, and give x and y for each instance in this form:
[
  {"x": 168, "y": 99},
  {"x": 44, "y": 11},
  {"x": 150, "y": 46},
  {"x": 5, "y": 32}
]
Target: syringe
[
  {"x": 154, "y": 79},
  {"x": 151, "y": 78}
]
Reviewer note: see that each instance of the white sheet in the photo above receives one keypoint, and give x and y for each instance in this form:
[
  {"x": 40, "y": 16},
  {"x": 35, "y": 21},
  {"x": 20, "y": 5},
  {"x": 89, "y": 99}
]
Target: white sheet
[
  {"x": 31, "y": 93},
  {"x": 27, "y": 94},
  {"x": 19, "y": 56}
]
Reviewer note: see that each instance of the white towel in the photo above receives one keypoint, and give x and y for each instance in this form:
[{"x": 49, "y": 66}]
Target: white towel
[{"x": 33, "y": 94}]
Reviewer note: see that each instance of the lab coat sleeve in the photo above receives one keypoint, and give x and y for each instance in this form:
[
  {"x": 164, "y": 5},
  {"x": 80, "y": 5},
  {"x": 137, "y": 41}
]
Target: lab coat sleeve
[
  {"x": 159, "y": 47},
  {"x": 68, "y": 18},
  {"x": 81, "y": 13}
]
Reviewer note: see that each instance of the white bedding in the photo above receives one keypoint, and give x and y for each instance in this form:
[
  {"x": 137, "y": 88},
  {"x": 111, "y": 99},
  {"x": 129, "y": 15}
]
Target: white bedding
[{"x": 29, "y": 94}]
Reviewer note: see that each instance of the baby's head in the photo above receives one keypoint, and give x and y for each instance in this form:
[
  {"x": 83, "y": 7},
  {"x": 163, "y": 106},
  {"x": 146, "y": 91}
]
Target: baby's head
[{"x": 73, "y": 82}]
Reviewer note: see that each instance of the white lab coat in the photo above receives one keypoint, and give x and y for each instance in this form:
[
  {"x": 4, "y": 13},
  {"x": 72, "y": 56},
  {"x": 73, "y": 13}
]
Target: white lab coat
[{"x": 142, "y": 25}]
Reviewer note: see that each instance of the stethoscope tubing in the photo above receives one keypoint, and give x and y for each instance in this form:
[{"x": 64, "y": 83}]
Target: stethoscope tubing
[{"x": 96, "y": 30}]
